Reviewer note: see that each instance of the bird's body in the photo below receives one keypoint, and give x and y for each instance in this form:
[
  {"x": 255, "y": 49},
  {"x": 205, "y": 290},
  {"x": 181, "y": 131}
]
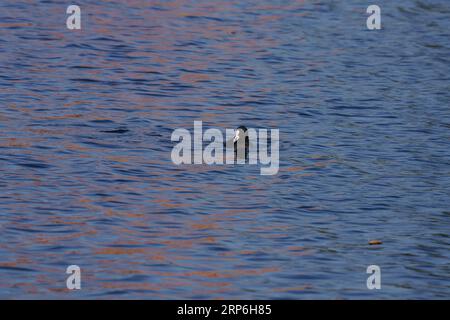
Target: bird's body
[{"x": 240, "y": 140}]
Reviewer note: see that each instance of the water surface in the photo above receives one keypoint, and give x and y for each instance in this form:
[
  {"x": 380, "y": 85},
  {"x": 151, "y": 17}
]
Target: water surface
[{"x": 86, "y": 176}]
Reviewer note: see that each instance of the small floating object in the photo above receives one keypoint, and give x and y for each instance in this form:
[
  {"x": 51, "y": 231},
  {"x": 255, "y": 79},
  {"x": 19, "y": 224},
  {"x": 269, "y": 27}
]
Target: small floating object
[
  {"x": 375, "y": 242},
  {"x": 240, "y": 133}
]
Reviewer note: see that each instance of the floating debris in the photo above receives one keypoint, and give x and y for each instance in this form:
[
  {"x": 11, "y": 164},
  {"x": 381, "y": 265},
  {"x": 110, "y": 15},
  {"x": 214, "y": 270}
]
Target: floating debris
[{"x": 375, "y": 242}]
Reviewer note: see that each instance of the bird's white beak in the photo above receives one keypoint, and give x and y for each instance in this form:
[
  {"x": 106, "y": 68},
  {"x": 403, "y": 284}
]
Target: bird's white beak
[{"x": 236, "y": 136}]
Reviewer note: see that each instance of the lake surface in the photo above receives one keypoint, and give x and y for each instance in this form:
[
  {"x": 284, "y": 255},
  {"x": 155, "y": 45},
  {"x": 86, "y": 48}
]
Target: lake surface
[{"x": 86, "y": 176}]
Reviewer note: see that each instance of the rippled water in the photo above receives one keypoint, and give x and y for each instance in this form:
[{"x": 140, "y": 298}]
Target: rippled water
[{"x": 86, "y": 176}]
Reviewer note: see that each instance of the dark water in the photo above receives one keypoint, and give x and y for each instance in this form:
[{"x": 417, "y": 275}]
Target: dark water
[{"x": 364, "y": 154}]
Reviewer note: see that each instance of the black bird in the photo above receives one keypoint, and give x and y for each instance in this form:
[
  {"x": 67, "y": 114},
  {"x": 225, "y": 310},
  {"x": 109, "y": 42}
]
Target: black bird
[{"x": 240, "y": 140}]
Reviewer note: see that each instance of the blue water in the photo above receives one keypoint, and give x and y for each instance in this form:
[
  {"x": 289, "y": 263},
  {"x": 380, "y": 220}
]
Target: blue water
[{"x": 364, "y": 126}]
